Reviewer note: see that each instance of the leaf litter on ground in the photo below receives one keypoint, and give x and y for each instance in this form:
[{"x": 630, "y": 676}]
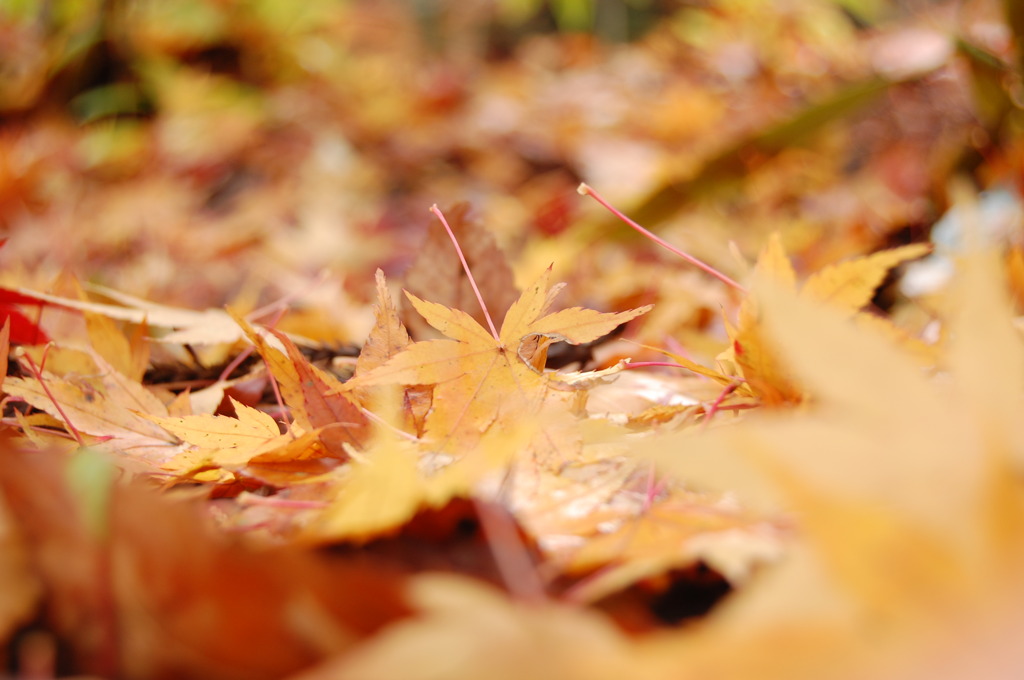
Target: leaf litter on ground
[{"x": 868, "y": 525}]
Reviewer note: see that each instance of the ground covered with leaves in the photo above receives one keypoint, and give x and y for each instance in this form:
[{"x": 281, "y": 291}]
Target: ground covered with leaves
[{"x": 269, "y": 414}]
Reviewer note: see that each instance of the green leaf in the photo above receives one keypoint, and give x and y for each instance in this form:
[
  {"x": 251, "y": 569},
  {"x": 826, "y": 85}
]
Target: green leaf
[{"x": 90, "y": 477}]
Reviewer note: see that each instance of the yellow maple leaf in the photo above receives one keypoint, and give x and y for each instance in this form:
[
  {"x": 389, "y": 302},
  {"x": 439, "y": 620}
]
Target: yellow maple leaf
[
  {"x": 222, "y": 440},
  {"x": 249, "y": 429},
  {"x": 379, "y": 493},
  {"x": 382, "y": 489},
  {"x": 479, "y": 379},
  {"x": 850, "y": 285}
]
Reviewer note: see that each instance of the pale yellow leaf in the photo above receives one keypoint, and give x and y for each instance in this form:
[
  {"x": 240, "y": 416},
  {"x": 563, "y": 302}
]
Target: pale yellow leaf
[
  {"x": 847, "y": 286},
  {"x": 774, "y": 264},
  {"x": 861, "y": 467},
  {"x": 925, "y": 354},
  {"x": 193, "y": 327},
  {"x": 986, "y": 354},
  {"x": 106, "y": 405}
]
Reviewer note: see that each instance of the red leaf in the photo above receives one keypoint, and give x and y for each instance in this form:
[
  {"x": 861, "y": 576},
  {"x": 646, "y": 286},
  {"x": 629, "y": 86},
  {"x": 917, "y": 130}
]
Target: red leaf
[{"x": 24, "y": 331}]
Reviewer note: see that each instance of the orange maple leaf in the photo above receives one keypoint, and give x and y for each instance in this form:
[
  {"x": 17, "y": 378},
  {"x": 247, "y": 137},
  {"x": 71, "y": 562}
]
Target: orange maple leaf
[{"x": 481, "y": 379}]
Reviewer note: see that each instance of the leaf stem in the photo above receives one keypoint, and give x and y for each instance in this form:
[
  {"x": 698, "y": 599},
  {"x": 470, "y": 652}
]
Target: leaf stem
[
  {"x": 585, "y": 190},
  {"x": 716, "y": 405},
  {"x": 383, "y": 423},
  {"x": 465, "y": 266},
  {"x": 38, "y": 373},
  {"x": 235, "y": 363},
  {"x": 651, "y": 364},
  {"x": 285, "y": 413},
  {"x": 247, "y": 498},
  {"x": 511, "y": 556}
]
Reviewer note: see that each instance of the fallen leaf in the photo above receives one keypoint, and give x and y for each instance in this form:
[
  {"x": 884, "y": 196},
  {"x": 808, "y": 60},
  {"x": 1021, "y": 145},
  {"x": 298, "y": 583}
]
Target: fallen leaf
[
  {"x": 480, "y": 380},
  {"x": 469, "y": 630},
  {"x": 249, "y": 429},
  {"x": 653, "y": 540},
  {"x": 20, "y": 589},
  {"x": 850, "y": 285},
  {"x": 847, "y": 286},
  {"x": 223, "y": 441},
  {"x": 437, "y": 272},
  {"x": 24, "y": 331},
  {"x": 397, "y": 478},
  {"x": 318, "y": 401},
  {"x": 146, "y": 588},
  {"x": 108, "y": 405},
  {"x": 183, "y": 325},
  {"x": 379, "y": 494},
  {"x": 129, "y": 356},
  {"x": 388, "y": 336},
  {"x": 882, "y": 564}
]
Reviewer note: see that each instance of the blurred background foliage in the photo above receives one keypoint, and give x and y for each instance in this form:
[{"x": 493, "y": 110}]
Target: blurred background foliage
[
  {"x": 102, "y": 58},
  {"x": 299, "y": 135}
]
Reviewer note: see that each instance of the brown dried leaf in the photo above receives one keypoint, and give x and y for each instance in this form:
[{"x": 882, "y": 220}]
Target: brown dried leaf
[
  {"x": 437, "y": 274},
  {"x": 317, "y": 399}
]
